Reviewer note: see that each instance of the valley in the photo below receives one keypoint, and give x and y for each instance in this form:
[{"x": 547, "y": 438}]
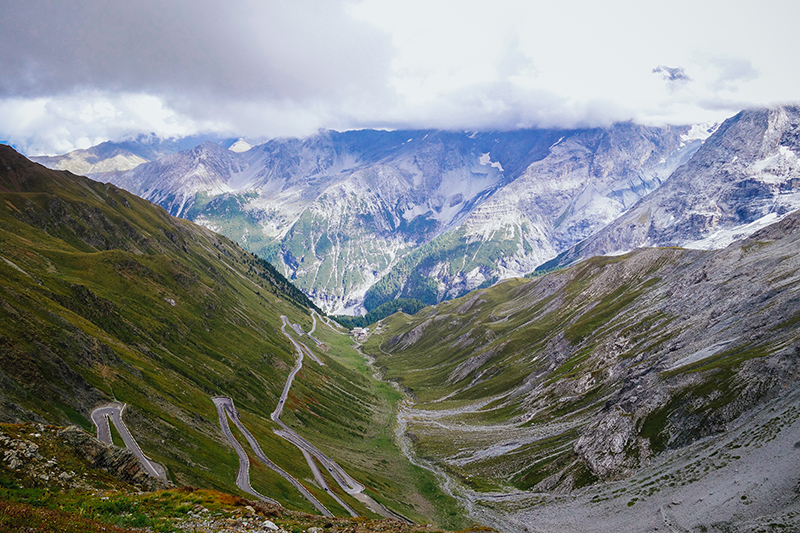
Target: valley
[
  {"x": 360, "y": 218},
  {"x": 106, "y": 298},
  {"x": 651, "y": 387},
  {"x": 552, "y": 390},
  {"x": 357, "y": 218}
]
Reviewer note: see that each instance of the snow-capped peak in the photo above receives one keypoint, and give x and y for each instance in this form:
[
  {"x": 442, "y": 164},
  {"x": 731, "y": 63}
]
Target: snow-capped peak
[{"x": 240, "y": 146}]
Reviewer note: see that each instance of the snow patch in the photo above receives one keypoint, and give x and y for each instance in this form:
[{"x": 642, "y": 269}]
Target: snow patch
[
  {"x": 617, "y": 252},
  {"x": 486, "y": 159},
  {"x": 699, "y": 132},
  {"x": 725, "y": 236},
  {"x": 774, "y": 169},
  {"x": 240, "y": 146}
]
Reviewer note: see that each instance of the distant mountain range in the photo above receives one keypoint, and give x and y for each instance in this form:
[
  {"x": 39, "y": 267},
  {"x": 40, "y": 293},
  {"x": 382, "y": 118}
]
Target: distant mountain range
[
  {"x": 656, "y": 389},
  {"x": 359, "y": 218},
  {"x": 123, "y": 155},
  {"x": 744, "y": 178}
]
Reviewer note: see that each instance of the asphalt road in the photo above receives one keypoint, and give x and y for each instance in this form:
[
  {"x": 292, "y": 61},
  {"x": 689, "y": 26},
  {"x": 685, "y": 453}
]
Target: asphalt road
[
  {"x": 225, "y": 405},
  {"x": 226, "y": 409},
  {"x": 348, "y": 484},
  {"x": 113, "y": 412},
  {"x": 342, "y": 478},
  {"x": 328, "y": 322},
  {"x": 243, "y": 477}
]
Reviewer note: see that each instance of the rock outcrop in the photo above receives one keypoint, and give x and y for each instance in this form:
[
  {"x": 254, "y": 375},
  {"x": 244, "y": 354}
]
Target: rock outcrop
[{"x": 68, "y": 457}]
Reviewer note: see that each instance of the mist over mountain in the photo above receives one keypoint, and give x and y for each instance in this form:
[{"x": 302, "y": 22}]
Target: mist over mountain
[
  {"x": 612, "y": 391},
  {"x": 123, "y": 155},
  {"x": 359, "y": 218}
]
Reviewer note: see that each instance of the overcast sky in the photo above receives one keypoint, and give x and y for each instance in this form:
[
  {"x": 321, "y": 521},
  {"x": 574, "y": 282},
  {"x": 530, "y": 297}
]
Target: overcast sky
[{"x": 76, "y": 73}]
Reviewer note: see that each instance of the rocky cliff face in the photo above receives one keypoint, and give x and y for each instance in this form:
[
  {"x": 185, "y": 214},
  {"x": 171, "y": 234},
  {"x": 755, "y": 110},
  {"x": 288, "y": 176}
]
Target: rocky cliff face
[
  {"x": 109, "y": 157},
  {"x": 70, "y": 458},
  {"x": 338, "y": 212},
  {"x": 746, "y": 176},
  {"x": 586, "y": 180}
]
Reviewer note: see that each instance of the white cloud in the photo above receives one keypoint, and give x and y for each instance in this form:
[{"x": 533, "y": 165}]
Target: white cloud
[{"x": 75, "y": 74}]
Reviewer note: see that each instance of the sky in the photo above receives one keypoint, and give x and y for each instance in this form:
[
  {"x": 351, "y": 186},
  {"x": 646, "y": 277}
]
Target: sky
[{"x": 77, "y": 73}]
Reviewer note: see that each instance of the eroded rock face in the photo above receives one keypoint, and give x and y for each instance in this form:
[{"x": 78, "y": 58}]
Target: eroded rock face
[
  {"x": 338, "y": 212},
  {"x": 119, "y": 462},
  {"x": 589, "y": 373},
  {"x": 743, "y": 178},
  {"x": 68, "y": 458}
]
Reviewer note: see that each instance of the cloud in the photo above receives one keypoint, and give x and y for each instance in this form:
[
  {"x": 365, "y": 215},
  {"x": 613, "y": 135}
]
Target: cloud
[
  {"x": 54, "y": 125},
  {"x": 270, "y": 50},
  {"x": 670, "y": 74},
  {"x": 83, "y": 71},
  {"x": 732, "y": 72}
]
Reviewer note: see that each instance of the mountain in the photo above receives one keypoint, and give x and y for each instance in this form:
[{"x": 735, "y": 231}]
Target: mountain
[
  {"x": 746, "y": 176},
  {"x": 584, "y": 181},
  {"x": 205, "y": 168},
  {"x": 123, "y": 155},
  {"x": 653, "y": 390},
  {"x": 107, "y": 300},
  {"x": 339, "y": 213}
]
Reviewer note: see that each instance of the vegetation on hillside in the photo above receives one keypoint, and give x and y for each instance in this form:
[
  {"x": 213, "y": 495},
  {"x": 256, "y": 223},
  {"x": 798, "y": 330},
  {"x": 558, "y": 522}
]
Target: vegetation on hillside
[
  {"x": 412, "y": 278},
  {"x": 648, "y": 351},
  {"x": 408, "y": 306},
  {"x": 103, "y": 296}
]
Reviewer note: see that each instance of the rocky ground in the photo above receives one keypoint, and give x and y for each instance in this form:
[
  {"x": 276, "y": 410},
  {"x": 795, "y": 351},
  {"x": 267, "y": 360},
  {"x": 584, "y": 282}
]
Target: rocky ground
[
  {"x": 744, "y": 481},
  {"x": 69, "y": 458},
  {"x": 63, "y": 479}
]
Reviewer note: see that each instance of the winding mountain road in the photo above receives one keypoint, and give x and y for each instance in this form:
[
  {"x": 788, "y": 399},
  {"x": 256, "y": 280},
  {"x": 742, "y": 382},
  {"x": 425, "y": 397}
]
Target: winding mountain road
[
  {"x": 226, "y": 410},
  {"x": 348, "y": 484},
  {"x": 113, "y": 412},
  {"x": 342, "y": 478},
  {"x": 328, "y": 322},
  {"x": 225, "y": 405}
]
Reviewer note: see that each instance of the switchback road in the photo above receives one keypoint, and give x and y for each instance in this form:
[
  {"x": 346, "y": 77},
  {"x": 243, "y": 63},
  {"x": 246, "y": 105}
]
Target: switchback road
[
  {"x": 243, "y": 476},
  {"x": 342, "y": 478},
  {"x": 113, "y": 412},
  {"x": 225, "y": 406}
]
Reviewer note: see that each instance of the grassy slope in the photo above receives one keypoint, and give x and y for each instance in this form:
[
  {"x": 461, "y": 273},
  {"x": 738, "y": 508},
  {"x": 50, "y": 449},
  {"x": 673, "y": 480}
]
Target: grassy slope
[
  {"x": 35, "y": 497},
  {"x": 552, "y": 356},
  {"x": 88, "y": 278}
]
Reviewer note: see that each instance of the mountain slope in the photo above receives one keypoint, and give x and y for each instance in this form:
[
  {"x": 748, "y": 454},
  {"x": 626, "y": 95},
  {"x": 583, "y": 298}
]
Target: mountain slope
[
  {"x": 585, "y": 181},
  {"x": 585, "y": 375},
  {"x": 746, "y": 176},
  {"x": 337, "y": 212},
  {"x": 104, "y": 296},
  {"x": 120, "y": 156}
]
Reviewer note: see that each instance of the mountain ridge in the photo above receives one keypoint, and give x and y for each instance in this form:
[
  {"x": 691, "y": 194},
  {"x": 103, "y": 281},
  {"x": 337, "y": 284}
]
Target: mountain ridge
[
  {"x": 337, "y": 211},
  {"x": 744, "y": 177},
  {"x": 591, "y": 381}
]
